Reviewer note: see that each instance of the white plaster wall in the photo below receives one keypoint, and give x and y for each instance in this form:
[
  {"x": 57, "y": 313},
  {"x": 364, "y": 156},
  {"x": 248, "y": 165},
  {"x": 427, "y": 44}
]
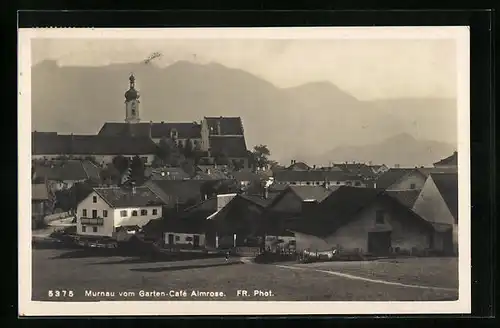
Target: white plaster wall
[
  {"x": 105, "y": 230},
  {"x": 139, "y": 220},
  {"x": 405, "y": 183}
]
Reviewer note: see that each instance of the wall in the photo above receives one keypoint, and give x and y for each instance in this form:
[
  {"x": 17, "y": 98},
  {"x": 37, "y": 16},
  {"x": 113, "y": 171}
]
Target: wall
[
  {"x": 107, "y": 228},
  {"x": 182, "y": 238},
  {"x": 405, "y": 183},
  {"x": 223, "y": 200},
  {"x": 139, "y": 220},
  {"x": 204, "y": 135}
]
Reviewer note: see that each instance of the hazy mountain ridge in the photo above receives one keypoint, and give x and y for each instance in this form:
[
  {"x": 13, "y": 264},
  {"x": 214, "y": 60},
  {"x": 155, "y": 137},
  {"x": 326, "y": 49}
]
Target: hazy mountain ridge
[{"x": 291, "y": 121}]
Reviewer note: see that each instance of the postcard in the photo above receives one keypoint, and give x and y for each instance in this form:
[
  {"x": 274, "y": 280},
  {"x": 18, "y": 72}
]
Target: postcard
[{"x": 244, "y": 171}]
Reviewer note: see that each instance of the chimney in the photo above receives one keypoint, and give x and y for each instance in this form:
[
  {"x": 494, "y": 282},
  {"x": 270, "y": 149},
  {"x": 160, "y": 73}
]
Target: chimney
[
  {"x": 218, "y": 127},
  {"x": 291, "y": 162},
  {"x": 150, "y": 128},
  {"x": 266, "y": 192},
  {"x": 396, "y": 166},
  {"x": 162, "y": 122},
  {"x": 314, "y": 167}
]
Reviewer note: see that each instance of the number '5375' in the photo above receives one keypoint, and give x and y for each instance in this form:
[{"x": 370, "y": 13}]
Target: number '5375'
[{"x": 61, "y": 293}]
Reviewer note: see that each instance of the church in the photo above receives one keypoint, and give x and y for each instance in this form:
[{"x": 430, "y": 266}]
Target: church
[{"x": 213, "y": 135}]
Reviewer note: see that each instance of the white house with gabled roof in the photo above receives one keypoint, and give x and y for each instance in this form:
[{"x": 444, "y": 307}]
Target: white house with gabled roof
[{"x": 105, "y": 210}]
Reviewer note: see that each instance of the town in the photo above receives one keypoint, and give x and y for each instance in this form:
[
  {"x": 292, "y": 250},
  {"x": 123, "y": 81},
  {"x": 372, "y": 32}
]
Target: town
[{"x": 195, "y": 191}]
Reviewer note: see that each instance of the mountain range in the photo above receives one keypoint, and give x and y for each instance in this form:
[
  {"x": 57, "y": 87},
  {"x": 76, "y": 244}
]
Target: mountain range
[{"x": 314, "y": 122}]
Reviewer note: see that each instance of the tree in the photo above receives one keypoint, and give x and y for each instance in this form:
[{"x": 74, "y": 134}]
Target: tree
[
  {"x": 121, "y": 163},
  {"x": 110, "y": 175},
  {"x": 188, "y": 149},
  {"x": 261, "y": 155},
  {"x": 164, "y": 149},
  {"x": 137, "y": 170},
  {"x": 188, "y": 166}
]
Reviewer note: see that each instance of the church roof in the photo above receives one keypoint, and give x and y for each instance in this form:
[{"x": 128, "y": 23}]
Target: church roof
[
  {"x": 230, "y": 146},
  {"x": 158, "y": 130},
  {"x": 65, "y": 144},
  {"x": 228, "y": 125}
]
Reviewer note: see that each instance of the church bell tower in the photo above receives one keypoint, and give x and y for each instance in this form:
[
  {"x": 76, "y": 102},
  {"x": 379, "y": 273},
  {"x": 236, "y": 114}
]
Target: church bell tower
[{"x": 132, "y": 103}]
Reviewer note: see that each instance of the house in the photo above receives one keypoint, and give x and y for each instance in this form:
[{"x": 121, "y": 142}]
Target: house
[
  {"x": 102, "y": 149},
  {"x": 63, "y": 174},
  {"x": 437, "y": 202},
  {"x": 448, "y": 162},
  {"x": 379, "y": 168},
  {"x": 166, "y": 173},
  {"x": 317, "y": 177},
  {"x": 41, "y": 203},
  {"x": 298, "y": 166},
  {"x": 245, "y": 177},
  {"x": 290, "y": 203},
  {"x": 361, "y": 220},
  {"x": 238, "y": 222},
  {"x": 359, "y": 169},
  {"x": 189, "y": 227},
  {"x": 408, "y": 178},
  {"x": 177, "y": 194},
  {"x": 104, "y": 210}
]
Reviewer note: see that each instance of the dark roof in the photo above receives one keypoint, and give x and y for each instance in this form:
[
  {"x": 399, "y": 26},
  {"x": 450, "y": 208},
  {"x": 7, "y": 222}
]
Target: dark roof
[
  {"x": 245, "y": 175},
  {"x": 202, "y": 210},
  {"x": 39, "y": 191},
  {"x": 298, "y": 166},
  {"x": 45, "y": 144},
  {"x": 257, "y": 199},
  {"x": 312, "y": 175},
  {"x": 405, "y": 197},
  {"x": 180, "y": 191},
  {"x": 429, "y": 170},
  {"x": 450, "y": 160},
  {"x": 342, "y": 206},
  {"x": 121, "y": 197},
  {"x": 391, "y": 176},
  {"x": 187, "y": 225},
  {"x": 228, "y": 125},
  {"x": 231, "y": 146},
  {"x": 447, "y": 184},
  {"x": 317, "y": 193},
  {"x": 357, "y": 168},
  {"x": 158, "y": 130},
  {"x": 61, "y": 170}
]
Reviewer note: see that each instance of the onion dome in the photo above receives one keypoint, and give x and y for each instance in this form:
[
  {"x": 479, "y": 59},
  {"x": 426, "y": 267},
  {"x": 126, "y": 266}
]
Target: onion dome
[{"x": 131, "y": 93}]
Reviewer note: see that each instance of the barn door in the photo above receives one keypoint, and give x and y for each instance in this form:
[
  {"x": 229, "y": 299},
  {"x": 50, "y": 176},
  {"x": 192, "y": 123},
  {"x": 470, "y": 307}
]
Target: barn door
[{"x": 379, "y": 242}]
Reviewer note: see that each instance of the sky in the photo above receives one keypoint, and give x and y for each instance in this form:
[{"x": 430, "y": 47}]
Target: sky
[{"x": 366, "y": 68}]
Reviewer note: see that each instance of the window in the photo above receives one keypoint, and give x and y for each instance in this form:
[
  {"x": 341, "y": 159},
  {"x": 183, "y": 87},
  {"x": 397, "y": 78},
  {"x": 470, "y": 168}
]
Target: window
[
  {"x": 84, "y": 229},
  {"x": 177, "y": 238},
  {"x": 105, "y": 213},
  {"x": 94, "y": 229},
  {"x": 412, "y": 186},
  {"x": 94, "y": 199},
  {"x": 155, "y": 211},
  {"x": 123, "y": 213},
  {"x": 357, "y": 183},
  {"x": 379, "y": 217},
  {"x": 144, "y": 212},
  {"x": 134, "y": 213},
  {"x": 94, "y": 213},
  {"x": 338, "y": 182},
  {"x": 317, "y": 183},
  {"x": 308, "y": 183},
  {"x": 84, "y": 213}
]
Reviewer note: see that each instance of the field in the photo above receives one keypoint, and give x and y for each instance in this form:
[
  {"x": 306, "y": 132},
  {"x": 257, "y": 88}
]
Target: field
[{"x": 79, "y": 271}]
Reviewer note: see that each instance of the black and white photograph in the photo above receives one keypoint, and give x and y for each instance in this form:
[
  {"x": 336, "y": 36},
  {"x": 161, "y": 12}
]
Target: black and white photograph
[{"x": 244, "y": 171}]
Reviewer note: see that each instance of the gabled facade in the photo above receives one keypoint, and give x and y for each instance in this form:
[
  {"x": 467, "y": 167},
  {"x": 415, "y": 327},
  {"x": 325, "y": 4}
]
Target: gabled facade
[
  {"x": 438, "y": 204},
  {"x": 396, "y": 179},
  {"x": 106, "y": 209}
]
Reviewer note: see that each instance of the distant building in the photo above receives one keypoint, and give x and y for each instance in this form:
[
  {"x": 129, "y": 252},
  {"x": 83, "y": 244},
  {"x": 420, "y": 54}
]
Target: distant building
[
  {"x": 63, "y": 174},
  {"x": 298, "y": 166},
  {"x": 316, "y": 178},
  {"x": 408, "y": 178},
  {"x": 42, "y": 203}
]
